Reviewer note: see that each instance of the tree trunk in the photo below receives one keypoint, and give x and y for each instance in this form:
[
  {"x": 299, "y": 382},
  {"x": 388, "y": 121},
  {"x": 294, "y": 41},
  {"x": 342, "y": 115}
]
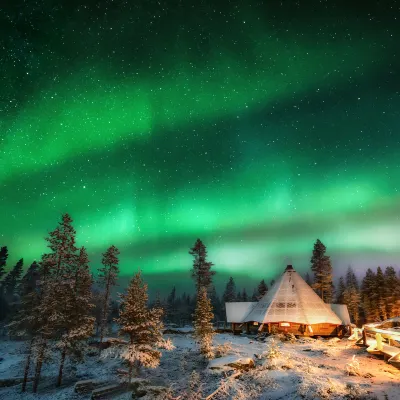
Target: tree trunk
[
  {"x": 60, "y": 372},
  {"x": 38, "y": 368},
  {"x": 104, "y": 317},
  {"x": 130, "y": 372},
  {"x": 27, "y": 365}
]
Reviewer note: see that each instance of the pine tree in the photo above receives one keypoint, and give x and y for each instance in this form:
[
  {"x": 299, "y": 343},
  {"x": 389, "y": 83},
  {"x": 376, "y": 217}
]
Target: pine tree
[
  {"x": 203, "y": 328},
  {"x": 392, "y": 292},
  {"x": 262, "y": 289},
  {"x": 239, "y": 296},
  {"x": 3, "y": 260},
  {"x": 11, "y": 281},
  {"x": 78, "y": 324},
  {"x": 272, "y": 283},
  {"x": 244, "y": 295},
  {"x": 351, "y": 295},
  {"x": 254, "y": 297},
  {"x": 215, "y": 303},
  {"x": 143, "y": 326},
  {"x": 368, "y": 297},
  {"x": 308, "y": 279},
  {"x": 380, "y": 294},
  {"x": 55, "y": 280},
  {"x": 201, "y": 272},
  {"x": 107, "y": 278},
  {"x": 340, "y": 291},
  {"x": 322, "y": 268},
  {"x": 230, "y": 291},
  {"x": 172, "y": 310},
  {"x": 24, "y": 322}
]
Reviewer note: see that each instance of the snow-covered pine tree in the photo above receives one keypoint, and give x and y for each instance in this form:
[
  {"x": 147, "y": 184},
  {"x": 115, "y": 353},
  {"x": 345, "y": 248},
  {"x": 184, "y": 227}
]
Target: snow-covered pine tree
[
  {"x": 24, "y": 322},
  {"x": 369, "y": 297},
  {"x": 201, "y": 272},
  {"x": 11, "y": 281},
  {"x": 3, "y": 260},
  {"x": 79, "y": 322},
  {"x": 203, "y": 327},
  {"x": 322, "y": 268},
  {"x": 262, "y": 289},
  {"x": 107, "y": 278},
  {"x": 340, "y": 291},
  {"x": 142, "y": 325},
  {"x": 392, "y": 292},
  {"x": 55, "y": 285}
]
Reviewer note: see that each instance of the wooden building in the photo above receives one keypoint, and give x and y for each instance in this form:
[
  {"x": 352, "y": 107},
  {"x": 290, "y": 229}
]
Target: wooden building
[{"x": 290, "y": 306}]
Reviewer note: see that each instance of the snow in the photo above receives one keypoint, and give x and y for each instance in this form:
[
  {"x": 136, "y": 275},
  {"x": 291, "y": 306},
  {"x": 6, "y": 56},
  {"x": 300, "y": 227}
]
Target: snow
[
  {"x": 232, "y": 359},
  {"x": 307, "y": 368}
]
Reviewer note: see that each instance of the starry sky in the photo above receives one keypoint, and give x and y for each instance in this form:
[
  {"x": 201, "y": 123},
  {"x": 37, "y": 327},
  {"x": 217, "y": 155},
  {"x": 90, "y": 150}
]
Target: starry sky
[{"x": 257, "y": 127}]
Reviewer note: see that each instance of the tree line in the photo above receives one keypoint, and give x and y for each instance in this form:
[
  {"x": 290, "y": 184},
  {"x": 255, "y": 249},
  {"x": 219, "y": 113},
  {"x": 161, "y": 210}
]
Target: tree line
[{"x": 54, "y": 307}]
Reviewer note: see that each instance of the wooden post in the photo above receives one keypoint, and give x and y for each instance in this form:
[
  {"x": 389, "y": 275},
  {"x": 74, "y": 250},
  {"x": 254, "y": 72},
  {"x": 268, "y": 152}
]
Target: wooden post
[
  {"x": 233, "y": 327},
  {"x": 364, "y": 335},
  {"x": 248, "y": 328}
]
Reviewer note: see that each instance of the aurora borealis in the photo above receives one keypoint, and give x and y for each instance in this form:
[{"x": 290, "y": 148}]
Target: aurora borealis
[{"x": 256, "y": 127}]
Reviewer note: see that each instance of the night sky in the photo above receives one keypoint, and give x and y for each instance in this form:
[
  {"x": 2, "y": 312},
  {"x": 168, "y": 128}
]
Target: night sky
[{"x": 258, "y": 128}]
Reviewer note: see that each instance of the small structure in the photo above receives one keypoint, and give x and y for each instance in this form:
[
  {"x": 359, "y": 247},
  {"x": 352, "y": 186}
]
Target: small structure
[{"x": 290, "y": 306}]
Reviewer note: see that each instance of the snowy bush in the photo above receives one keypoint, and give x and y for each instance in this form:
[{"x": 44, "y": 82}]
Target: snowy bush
[
  {"x": 222, "y": 349},
  {"x": 353, "y": 367}
]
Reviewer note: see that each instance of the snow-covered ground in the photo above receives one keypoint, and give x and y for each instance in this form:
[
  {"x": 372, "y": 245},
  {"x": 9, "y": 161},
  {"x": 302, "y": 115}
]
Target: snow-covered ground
[{"x": 306, "y": 368}]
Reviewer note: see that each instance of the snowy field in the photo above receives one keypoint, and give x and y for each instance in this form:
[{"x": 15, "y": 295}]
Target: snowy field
[{"x": 302, "y": 369}]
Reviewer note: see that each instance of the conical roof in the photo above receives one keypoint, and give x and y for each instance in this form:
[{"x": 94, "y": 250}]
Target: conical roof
[{"x": 291, "y": 299}]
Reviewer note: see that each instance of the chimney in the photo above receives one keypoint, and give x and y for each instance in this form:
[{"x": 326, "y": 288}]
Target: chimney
[{"x": 289, "y": 268}]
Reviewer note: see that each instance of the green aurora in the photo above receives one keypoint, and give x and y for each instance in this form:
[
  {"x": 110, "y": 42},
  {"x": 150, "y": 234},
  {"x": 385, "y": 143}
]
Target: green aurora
[{"x": 248, "y": 128}]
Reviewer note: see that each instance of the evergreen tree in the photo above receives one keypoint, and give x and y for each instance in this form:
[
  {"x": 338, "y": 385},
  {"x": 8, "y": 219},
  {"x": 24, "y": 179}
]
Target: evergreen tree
[
  {"x": 308, "y": 279},
  {"x": 230, "y": 291},
  {"x": 272, "y": 283},
  {"x": 55, "y": 281},
  {"x": 203, "y": 328},
  {"x": 368, "y": 297},
  {"x": 340, "y": 291},
  {"x": 351, "y": 279},
  {"x": 201, "y": 272},
  {"x": 244, "y": 295},
  {"x": 262, "y": 289},
  {"x": 3, "y": 260},
  {"x": 351, "y": 295},
  {"x": 392, "y": 292},
  {"x": 78, "y": 322},
  {"x": 254, "y": 297},
  {"x": 215, "y": 303},
  {"x": 143, "y": 326},
  {"x": 107, "y": 278},
  {"x": 25, "y": 322},
  {"x": 11, "y": 281},
  {"x": 380, "y": 294},
  {"x": 322, "y": 268},
  {"x": 172, "y": 309},
  {"x": 239, "y": 296}
]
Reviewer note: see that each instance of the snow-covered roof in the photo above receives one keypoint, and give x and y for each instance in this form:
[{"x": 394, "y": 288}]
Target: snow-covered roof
[
  {"x": 236, "y": 311},
  {"x": 342, "y": 312},
  {"x": 290, "y": 299}
]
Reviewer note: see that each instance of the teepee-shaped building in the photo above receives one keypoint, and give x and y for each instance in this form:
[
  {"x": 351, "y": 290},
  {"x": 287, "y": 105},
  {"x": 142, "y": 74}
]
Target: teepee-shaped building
[{"x": 291, "y": 305}]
